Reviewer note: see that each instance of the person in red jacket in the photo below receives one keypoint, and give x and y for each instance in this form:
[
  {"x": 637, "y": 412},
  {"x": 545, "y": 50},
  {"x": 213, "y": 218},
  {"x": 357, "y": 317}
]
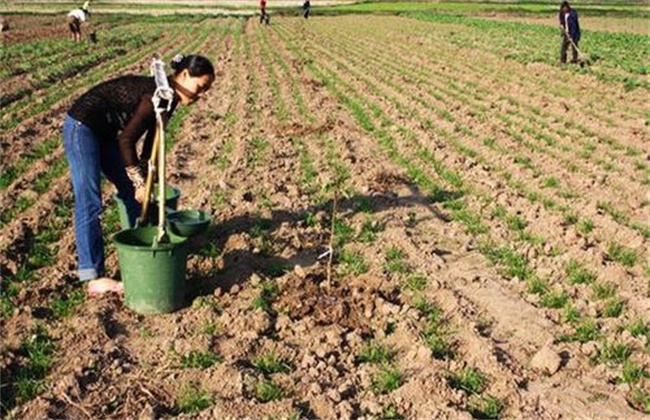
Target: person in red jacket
[{"x": 264, "y": 17}]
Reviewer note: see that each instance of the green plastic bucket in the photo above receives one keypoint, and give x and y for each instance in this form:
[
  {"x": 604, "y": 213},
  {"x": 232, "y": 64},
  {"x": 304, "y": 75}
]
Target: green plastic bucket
[
  {"x": 172, "y": 194},
  {"x": 188, "y": 223},
  {"x": 154, "y": 278}
]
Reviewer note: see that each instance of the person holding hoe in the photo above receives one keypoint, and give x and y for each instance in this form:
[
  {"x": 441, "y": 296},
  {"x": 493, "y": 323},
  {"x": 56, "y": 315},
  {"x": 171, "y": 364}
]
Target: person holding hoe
[
  {"x": 570, "y": 32},
  {"x": 100, "y": 133}
]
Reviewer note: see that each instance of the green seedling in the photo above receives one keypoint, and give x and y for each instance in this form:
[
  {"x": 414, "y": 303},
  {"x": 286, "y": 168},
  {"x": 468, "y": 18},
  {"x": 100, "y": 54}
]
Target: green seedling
[
  {"x": 43, "y": 182},
  {"x": 353, "y": 262},
  {"x": 396, "y": 261},
  {"x": 310, "y": 220},
  {"x": 433, "y": 333},
  {"x": 386, "y": 380},
  {"x": 267, "y": 390},
  {"x": 391, "y": 412},
  {"x": 488, "y": 407},
  {"x": 440, "y": 347},
  {"x": 369, "y": 230},
  {"x": 29, "y": 380},
  {"x": 276, "y": 269},
  {"x": 555, "y": 299},
  {"x": 512, "y": 263},
  {"x": 613, "y": 308},
  {"x": 343, "y": 233},
  {"x": 570, "y": 218},
  {"x": 206, "y": 301},
  {"x": 571, "y": 314},
  {"x": 587, "y": 330},
  {"x": 208, "y": 328},
  {"x": 269, "y": 363},
  {"x": 373, "y": 352},
  {"x": 390, "y": 328},
  {"x": 193, "y": 399},
  {"x": 259, "y": 227},
  {"x": 146, "y": 332},
  {"x": 638, "y": 328},
  {"x": 269, "y": 292},
  {"x": 64, "y": 306},
  {"x": 461, "y": 213},
  {"x": 537, "y": 286},
  {"x": 432, "y": 313},
  {"x": 411, "y": 220},
  {"x": 469, "y": 379},
  {"x": 440, "y": 195},
  {"x": 549, "y": 204},
  {"x": 6, "y": 305},
  {"x": 622, "y": 255},
  {"x": 585, "y": 227},
  {"x": 363, "y": 204},
  {"x": 608, "y": 208},
  {"x": 200, "y": 359},
  {"x": 219, "y": 198},
  {"x": 614, "y": 352},
  {"x": 604, "y": 290},
  {"x": 577, "y": 274},
  {"x": 415, "y": 283},
  {"x": 633, "y": 373},
  {"x": 640, "y": 398},
  {"x": 516, "y": 223},
  {"x": 257, "y": 151},
  {"x": 641, "y": 228}
]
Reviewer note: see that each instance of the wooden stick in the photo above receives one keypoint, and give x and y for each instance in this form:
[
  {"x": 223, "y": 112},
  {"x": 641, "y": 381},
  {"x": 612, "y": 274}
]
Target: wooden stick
[
  {"x": 331, "y": 244},
  {"x": 150, "y": 174}
]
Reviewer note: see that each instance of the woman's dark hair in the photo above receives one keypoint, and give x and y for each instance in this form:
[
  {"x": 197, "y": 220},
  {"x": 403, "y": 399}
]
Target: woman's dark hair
[
  {"x": 196, "y": 65},
  {"x": 565, "y": 4}
]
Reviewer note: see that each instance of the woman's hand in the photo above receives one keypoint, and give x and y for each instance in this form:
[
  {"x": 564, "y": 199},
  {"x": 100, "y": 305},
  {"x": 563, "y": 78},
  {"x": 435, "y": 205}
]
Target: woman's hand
[{"x": 135, "y": 175}]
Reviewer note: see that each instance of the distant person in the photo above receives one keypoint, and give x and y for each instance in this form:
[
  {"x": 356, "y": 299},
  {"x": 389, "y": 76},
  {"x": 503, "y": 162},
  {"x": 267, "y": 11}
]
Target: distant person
[
  {"x": 100, "y": 134},
  {"x": 4, "y": 24},
  {"x": 75, "y": 18},
  {"x": 570, "y": 32},
  {"x": 306, "y": 7},
  {"x": 264, "y": 17}
]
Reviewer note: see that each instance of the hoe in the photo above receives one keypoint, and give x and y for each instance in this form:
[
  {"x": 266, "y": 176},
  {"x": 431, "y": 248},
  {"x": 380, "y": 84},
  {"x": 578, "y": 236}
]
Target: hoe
[{"x": 583, "y": 59}]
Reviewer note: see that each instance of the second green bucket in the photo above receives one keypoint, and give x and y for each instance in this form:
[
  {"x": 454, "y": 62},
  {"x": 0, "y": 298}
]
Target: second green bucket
[
  {"x": 153, "y": 277},
  {"x": 172, "y": 195}
]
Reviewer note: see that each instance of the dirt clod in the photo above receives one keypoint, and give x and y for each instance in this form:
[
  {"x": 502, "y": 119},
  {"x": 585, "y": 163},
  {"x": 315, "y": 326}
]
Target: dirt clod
[{"x": 546, "y": 361}]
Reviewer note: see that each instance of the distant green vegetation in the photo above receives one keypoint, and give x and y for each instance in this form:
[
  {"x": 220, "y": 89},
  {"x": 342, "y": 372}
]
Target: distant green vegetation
[
  {"x": 526, "y": 7},
  {"x": 617, "y": 57},
  {"x": 616, "y": 8}
]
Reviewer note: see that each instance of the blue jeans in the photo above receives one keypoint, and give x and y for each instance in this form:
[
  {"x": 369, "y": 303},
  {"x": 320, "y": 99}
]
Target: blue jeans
[{"x": 88, "y": 157}]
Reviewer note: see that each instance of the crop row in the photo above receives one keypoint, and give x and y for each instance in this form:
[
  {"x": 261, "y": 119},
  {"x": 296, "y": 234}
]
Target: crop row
[
  {"x": 513, "y": 264},
  {"x": 435, "y": 332},
  {"x": 463, "y": 149},
  {"x": 28, "y": 157},
  {"x": 539, "y": 43},
  {"x": 28, "y": 379}
]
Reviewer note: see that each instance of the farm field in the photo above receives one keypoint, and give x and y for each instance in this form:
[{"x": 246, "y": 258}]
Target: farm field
[{"x": 489, "y": 212}]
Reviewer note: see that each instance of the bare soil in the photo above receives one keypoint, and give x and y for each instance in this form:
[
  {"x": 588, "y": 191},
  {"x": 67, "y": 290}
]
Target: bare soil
[{"x": 260, "y": 153}]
